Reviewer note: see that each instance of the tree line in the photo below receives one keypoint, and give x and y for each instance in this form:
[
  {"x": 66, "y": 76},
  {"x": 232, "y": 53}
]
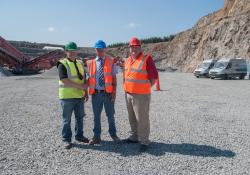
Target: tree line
[{"x": 146, "y": 41}]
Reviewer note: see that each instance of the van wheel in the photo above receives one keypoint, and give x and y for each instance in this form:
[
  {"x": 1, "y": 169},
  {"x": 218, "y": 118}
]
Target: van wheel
[
  {"x": 242, "y": 76},
  {"x": 225, "y": 77},
  {"x": 197, "y": 76},
  {"x": 212, "y": 77}
]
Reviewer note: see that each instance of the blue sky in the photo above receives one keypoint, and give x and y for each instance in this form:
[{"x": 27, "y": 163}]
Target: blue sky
[{"x": 85, "y": 21}]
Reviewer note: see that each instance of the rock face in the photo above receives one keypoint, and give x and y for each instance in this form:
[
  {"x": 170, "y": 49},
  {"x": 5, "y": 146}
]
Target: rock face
[{"x": 225, "y": 33}]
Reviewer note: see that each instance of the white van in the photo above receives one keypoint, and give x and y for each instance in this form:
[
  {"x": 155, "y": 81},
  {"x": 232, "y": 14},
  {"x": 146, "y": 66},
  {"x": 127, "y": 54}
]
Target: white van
[
  {"x": 202, "y": 70},
  {"x": 227, "y": 68}
]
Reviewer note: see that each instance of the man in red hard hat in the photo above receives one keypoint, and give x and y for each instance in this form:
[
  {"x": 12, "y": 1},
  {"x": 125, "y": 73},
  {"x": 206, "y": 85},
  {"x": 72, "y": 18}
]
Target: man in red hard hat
[{"x": 139, "y": 76}]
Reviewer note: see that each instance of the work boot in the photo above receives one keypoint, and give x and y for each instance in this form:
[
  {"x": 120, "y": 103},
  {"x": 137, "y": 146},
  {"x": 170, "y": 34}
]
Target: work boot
[
  {"x": 116, "y": 139},
  {"x": 84, "y": 140},
  {"x": 95, "y": 140},
  {"x": 128, "y": 140},
  {"x": 67, "y": 145}
]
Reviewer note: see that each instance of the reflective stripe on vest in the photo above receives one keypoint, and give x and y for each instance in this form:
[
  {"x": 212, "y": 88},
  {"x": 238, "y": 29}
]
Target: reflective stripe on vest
[
  {"x": 66, "y": 92},
  {"x": 136, "y": 76},
  {"x": 137, "y": 81},
  {"x": 108, "y": 78}
]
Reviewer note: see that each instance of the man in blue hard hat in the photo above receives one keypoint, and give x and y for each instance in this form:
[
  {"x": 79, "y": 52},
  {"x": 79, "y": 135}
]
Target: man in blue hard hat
[{"x": 102, "y": 88}]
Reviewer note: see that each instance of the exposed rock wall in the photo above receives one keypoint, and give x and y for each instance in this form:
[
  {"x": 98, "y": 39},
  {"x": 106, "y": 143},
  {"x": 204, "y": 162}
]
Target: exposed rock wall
[{"x": 225, "y": 33}]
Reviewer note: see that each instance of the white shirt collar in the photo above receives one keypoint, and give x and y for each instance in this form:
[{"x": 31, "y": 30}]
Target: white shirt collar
[{"x": 102, "y": 58}]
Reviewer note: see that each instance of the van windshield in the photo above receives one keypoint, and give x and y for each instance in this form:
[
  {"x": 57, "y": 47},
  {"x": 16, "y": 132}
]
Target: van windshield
[
  {"x": 221, "y": 64},
  {"x": 204, "y": 65}
]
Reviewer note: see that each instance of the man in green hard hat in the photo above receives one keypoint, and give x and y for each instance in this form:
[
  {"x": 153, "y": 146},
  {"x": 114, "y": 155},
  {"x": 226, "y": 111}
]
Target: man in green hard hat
[{"x": 72, "y": 94}]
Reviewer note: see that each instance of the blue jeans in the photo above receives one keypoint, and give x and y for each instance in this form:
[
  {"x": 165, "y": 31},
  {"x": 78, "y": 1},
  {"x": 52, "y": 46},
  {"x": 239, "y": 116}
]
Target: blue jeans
[
  {"x": 98, "y": 101},
  {"x": 68, "y": 106}
]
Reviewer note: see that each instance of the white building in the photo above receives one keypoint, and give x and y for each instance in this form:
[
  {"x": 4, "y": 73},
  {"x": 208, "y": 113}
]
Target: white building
[{"x": 52, "y": 48}]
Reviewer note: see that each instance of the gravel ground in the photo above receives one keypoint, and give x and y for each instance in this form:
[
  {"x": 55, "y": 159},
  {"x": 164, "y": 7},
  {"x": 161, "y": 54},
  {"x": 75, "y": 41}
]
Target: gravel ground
[{"x": 198, "y": 126}]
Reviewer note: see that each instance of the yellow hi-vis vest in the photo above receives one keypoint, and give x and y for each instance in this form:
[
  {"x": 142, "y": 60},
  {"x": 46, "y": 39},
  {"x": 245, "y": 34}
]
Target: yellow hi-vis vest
[{"x": 66, "y": 92}]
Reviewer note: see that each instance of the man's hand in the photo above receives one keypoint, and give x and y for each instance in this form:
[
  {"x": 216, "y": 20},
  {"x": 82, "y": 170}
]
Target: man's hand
[
  {"x": 152, "y": 81},
  {"x": 113, "y": 95},
  {"x": 86, "y": 96}
]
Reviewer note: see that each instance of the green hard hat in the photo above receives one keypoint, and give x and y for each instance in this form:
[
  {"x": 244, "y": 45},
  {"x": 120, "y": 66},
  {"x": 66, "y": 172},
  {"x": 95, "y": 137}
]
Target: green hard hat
[{"x": 71, "y": 46}]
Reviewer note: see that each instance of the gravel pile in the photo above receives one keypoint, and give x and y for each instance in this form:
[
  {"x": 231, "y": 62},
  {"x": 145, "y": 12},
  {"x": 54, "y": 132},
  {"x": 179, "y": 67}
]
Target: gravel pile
[
  {"x": 51, "y": 72},
  {"x": 198, "y": 126},
  {"x": 4, "y": 72}
]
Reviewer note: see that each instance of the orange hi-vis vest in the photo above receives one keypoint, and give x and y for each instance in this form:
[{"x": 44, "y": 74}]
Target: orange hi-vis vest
[
  {"x": 136, "y": 76},
  {"x": 107, "y": 70}
]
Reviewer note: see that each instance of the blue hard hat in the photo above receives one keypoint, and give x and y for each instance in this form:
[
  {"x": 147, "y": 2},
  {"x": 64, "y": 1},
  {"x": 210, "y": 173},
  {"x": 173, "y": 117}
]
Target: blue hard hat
[{"x": 100, "y": 44}]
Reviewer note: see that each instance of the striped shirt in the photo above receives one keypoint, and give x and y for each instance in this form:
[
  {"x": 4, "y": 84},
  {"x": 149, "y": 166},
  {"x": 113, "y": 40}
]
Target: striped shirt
[{"x": 98, "y": 64}]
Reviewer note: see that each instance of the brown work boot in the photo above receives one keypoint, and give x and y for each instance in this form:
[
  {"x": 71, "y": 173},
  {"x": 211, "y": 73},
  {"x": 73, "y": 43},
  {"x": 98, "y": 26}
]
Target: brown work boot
[
  {"x": 128, "y": 140},
  {"x": 67, "y": 145},
  {"x": 95, "y": 141},
  {"x": 116, "y": 139},
  {"x": 84, "y": 140}
]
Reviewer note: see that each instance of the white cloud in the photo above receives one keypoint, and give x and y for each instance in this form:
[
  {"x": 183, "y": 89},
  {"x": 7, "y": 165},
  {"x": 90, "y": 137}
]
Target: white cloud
[
  {"x": 133, "y": 25},
  {"x": 51, "y": 29}
]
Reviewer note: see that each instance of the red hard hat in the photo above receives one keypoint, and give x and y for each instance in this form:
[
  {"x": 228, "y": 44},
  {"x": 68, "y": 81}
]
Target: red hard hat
[{"x": 134, "y": 42}]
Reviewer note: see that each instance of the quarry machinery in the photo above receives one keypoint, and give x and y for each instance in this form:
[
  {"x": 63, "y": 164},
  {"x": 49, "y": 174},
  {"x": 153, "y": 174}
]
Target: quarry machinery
[{"x": 17, "y": 62}]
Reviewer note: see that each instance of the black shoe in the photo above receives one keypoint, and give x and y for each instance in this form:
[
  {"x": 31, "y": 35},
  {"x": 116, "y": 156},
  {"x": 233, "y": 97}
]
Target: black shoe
[
  {"x": 143, "y": 148},
  {"x": 67, "y": 145},
  {"x": 84, "y": 140},
  {"x": 95, "y": 140},
  {"x": 116, "y": 139},
  {"x": 130, "y": 141}
]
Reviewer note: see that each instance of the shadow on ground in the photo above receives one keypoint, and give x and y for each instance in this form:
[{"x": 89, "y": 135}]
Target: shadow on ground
[{"x": 159, "y": 149}]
